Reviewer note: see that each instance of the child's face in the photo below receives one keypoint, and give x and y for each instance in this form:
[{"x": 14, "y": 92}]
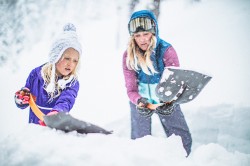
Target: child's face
[
  {"x": 68, "y": 62},
  {"x": 143, "y": 39}
]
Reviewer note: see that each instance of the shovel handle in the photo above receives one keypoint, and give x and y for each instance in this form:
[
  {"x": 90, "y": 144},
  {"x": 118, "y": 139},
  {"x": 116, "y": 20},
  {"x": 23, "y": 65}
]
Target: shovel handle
[
  {"x": 153, "y": 106},
  {"x": 35, "y": 109}
]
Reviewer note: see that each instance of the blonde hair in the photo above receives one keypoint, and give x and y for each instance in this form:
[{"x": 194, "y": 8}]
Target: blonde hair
[
  {"x": 136, "y": 59},
  {"x": 46, "y": 75}
]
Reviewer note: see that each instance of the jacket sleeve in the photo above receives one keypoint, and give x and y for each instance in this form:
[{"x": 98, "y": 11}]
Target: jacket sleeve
[
  {"x": 130, "y": 82},
  {"x": 67, "y": 98},
  {"x": 170, "y": 58}
]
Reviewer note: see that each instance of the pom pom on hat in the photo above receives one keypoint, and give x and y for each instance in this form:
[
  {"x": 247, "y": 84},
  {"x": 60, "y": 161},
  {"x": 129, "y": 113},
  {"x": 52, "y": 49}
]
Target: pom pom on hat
[
  {"x": 67, "y": 39},
  {"x": 69, "y": 27}
]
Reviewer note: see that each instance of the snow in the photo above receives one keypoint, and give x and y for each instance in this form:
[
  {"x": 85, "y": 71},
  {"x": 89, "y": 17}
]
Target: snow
[{"x": 211, "y": 36}]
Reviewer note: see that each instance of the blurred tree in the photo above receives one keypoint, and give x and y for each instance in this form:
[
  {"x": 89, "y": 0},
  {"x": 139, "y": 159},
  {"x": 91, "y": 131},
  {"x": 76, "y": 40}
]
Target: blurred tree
[
  {"x": 10, "y": 30},
  {"x": 19, "y": 21},
  {"x": 156, "y": 8},
  {"x": 132, "y": 5},
  {"x": 153, "y": 5},
  {"x": 25, "y": 22}
]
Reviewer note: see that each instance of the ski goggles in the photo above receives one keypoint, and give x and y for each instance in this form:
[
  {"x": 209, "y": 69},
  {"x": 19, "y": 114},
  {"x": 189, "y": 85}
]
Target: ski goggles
[{"x": 141, "y": 24}]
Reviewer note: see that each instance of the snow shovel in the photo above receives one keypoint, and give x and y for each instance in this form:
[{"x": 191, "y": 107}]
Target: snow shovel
[
  {"x": 177, "y": 86},
  {"x": 65, "y": 122}
]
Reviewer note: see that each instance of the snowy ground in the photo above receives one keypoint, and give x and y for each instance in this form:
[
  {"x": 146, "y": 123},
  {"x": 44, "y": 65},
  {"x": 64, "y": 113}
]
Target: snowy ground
[{"x": 211, "y": 37}]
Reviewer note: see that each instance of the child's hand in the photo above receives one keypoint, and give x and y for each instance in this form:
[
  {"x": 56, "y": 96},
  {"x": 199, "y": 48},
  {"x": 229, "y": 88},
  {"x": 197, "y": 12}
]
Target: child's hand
[
  {"x": 53, "y": 112},
  {"x": 22, "y": 97}
]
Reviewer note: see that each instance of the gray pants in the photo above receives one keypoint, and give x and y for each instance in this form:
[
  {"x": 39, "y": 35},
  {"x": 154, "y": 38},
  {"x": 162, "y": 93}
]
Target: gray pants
[{"x": 173, "y": 124}]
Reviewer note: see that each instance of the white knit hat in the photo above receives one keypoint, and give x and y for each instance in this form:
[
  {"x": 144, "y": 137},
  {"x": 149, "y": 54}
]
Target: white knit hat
[{"x": 68, "y": 39}]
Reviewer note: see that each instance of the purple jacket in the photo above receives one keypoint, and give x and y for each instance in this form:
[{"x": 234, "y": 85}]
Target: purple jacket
[
  {"x": 169, "y": 59},
  {"x": 64, "y": 102}
]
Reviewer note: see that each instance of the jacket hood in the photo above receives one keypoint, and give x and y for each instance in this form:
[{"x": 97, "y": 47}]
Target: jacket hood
[{"x": 146, "y": 13}]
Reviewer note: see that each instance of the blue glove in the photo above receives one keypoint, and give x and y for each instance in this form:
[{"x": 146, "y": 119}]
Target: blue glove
[
  {"x": 142, "y": 107},
  {"x": 165, "y": 109}
]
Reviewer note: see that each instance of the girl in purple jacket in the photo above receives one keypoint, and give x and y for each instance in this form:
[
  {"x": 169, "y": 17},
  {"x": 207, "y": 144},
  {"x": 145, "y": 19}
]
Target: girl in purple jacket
[
  {"x": 54, "y": 84},
  {"x": 143, "y": 64}
]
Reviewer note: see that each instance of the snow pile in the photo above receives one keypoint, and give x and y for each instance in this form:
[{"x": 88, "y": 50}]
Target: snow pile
[{"x": 37, "y": 145}]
